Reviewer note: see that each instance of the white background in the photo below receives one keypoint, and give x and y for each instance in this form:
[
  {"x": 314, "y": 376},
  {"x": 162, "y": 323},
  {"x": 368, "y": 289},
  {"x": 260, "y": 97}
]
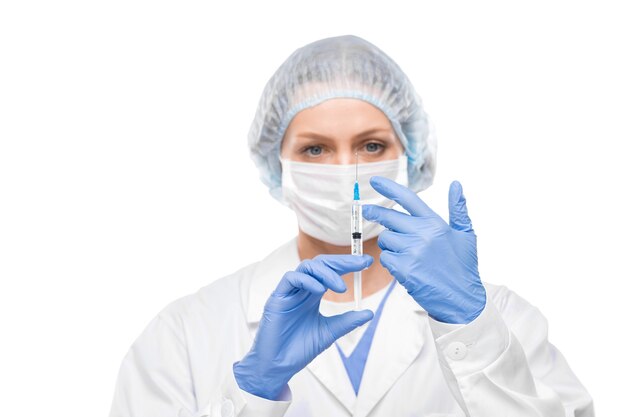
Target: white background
[{"x": 125, "y": 181}]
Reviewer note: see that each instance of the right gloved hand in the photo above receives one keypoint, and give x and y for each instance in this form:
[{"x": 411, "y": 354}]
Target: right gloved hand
[{"x": 292, "y": 332}]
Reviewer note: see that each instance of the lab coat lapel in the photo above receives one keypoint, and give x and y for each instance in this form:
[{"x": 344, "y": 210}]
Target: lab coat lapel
[
  {"x": 328, "y": 368},
  {"x": 399, "y": 338}
]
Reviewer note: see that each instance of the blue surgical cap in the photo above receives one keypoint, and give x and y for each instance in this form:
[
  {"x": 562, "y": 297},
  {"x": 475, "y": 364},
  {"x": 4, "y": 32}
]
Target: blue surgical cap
[{"x": 341, "y": 67}]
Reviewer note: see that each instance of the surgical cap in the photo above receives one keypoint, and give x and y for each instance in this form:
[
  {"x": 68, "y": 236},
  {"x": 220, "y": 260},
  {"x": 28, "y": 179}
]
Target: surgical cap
[{"x": 341, "y": 67}]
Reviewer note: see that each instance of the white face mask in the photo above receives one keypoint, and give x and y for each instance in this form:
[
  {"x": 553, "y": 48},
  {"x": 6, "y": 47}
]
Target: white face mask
[{"x": 322, "y": 195}]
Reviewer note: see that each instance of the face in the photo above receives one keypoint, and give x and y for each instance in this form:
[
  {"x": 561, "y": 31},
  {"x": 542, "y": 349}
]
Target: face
[{"x": 333, "y": 131}]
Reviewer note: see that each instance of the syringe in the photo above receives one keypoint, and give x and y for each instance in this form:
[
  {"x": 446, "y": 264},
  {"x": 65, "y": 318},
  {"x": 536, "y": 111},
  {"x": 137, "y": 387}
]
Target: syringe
[{"x": 357, "y": 230}]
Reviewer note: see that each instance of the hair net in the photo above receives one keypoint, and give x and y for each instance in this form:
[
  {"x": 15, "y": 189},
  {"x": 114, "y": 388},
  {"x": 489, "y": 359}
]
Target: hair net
[{"x": 346, "y": 67}]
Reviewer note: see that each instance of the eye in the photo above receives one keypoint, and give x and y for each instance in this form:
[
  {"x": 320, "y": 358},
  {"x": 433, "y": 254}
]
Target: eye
[
  {"x": 313, "y": 150},
  {"x": 373, "y": 147}
]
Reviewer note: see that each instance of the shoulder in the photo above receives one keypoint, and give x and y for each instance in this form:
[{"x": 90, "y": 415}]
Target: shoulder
[
  {"x": 222, "y": 298},
  {"x": 233, "y": 291}
]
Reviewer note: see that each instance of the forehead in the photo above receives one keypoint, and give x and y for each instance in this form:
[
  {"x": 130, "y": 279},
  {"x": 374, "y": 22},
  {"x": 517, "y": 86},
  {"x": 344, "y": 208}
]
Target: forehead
[{"x": 339, "y": 115}]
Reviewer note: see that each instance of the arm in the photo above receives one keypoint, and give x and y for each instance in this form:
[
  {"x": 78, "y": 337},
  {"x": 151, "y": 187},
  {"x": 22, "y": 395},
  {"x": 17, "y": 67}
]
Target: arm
[
  {"x": 491, "y": 368},
  {"x": 497, "y": 369}
]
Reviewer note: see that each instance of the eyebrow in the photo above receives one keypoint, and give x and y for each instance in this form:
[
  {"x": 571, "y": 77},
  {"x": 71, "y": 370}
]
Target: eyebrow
[{"x": 313, "y": 135}]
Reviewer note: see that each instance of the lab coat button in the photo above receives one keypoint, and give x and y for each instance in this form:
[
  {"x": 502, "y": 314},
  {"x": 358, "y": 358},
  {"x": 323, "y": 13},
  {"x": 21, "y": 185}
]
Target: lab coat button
[
  {"x": 456, "y": 351},
  {"x": 228, "y": 408}
]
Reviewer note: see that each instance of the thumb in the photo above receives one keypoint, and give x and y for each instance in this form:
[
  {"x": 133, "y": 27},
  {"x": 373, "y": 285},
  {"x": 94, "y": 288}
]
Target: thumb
[
  {"x": 459, "y": 219},
  {"x": 342, "y": 324}
]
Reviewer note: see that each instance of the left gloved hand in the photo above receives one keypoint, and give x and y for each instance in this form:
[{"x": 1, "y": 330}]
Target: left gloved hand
[{"x": 436, "y": 262}]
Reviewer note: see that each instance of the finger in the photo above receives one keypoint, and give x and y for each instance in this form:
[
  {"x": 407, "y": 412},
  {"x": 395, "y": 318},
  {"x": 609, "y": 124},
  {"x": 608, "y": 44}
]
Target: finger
[
  {"x": 459, "y": 219},
  {"x": 392, "y": 241},
  {"x": 298, "y": 280},
  {"x": 401, "y": 195},
  {"x": 323, "y": 274},
  {"x": 391, "y": 219},
  {"x": 343, "y": 324},
  {"x": 392, "y": 262},
  {"x": 342, "y": 264}
]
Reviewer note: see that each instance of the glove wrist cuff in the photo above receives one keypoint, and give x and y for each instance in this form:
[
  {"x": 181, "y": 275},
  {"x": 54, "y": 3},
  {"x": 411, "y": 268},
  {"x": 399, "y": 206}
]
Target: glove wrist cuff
[{"x": 250, "y": 380}]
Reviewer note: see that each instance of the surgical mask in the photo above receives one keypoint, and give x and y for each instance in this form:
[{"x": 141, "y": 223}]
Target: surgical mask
[{"x": 322, "y": 195}]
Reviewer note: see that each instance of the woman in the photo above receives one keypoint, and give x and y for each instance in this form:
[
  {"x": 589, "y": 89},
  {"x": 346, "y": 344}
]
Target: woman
[{"x": 280, "y": 337}]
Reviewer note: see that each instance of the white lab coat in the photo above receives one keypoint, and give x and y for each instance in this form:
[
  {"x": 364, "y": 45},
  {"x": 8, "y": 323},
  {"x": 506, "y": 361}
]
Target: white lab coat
[{"x": 499, "y": 365}]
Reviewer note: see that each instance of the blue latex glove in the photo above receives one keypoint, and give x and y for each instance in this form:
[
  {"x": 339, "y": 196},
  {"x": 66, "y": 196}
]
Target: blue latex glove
[
  {"x": 292, "y": 332},
  {"x": 437, "y": 263}
]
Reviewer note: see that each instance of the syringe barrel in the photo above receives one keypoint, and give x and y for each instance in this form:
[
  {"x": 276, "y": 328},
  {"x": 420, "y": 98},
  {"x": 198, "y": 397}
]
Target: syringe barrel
[{"x": 357, "y": 228}]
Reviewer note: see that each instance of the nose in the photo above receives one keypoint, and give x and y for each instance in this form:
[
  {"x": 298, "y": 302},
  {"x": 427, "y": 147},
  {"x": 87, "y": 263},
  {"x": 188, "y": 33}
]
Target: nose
[{"x": 346, "y": 157}]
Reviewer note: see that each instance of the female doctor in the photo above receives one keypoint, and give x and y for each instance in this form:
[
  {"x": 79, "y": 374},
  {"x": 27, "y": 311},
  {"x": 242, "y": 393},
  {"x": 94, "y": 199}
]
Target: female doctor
[{"x": 281, "y": 337}]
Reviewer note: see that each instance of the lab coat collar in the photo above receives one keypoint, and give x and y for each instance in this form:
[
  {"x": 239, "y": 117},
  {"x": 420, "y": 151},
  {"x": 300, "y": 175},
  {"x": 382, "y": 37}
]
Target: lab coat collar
[{"x": 399, "y": 337}]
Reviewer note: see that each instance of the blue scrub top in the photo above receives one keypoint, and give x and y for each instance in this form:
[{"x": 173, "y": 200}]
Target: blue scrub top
[{"x": 355, "y": 363}]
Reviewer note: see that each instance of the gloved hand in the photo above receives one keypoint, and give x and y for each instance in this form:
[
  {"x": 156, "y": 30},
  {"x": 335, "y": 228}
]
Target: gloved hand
[
  {"x": 292, "y": 332},
  {"x": 437, "y": 263}
]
